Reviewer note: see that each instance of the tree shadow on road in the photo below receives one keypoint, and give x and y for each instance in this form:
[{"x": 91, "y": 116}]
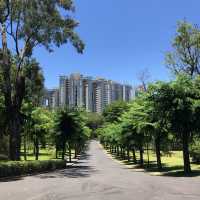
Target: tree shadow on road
[{"x": 80, "y": 169}]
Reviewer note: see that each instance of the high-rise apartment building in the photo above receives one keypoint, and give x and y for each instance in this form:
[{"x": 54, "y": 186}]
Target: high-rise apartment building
[
  {"x": 51, "y": 98},
  {"x": 94, "y": 95},
  {"x": 63, "y": 91}
]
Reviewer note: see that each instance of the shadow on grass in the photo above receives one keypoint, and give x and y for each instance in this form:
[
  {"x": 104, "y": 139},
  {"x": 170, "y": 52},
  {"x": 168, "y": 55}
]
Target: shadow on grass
[
  {"x": 170, "y": 171},
  {"x": 33, "y": 155}
]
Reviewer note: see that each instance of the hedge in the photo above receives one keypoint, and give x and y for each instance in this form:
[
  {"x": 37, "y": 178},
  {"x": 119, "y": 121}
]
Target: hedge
[
  {"x": 16, "y": 168},
  {"x": 195, "y": 154}
]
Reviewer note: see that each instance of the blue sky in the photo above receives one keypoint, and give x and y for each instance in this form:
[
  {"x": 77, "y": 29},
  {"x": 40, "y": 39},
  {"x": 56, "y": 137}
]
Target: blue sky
[{"x": 122, "y": 38}]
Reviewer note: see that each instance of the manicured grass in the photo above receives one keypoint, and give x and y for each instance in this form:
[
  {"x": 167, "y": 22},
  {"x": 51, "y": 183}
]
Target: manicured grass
[
  {"x": 172, "y": 164},
  {"x": 45, "y": 154},
  {"x": 175, "y": 159}
]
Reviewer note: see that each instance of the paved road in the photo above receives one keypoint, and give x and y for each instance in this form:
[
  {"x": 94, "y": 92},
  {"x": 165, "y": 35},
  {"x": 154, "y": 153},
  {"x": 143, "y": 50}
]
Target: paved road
[{"x": 98, "y": 177}]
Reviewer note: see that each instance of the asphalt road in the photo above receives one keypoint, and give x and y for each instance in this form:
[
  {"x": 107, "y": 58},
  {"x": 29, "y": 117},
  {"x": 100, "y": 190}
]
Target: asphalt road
[{"x": 98, "y": 177}]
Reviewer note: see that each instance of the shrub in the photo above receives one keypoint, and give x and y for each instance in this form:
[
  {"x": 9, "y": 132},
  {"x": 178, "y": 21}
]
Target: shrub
[
  {"x": 195, "y": 152},
  {"x": 16, "y": 168},
  {"x": 3, "y": 157}
]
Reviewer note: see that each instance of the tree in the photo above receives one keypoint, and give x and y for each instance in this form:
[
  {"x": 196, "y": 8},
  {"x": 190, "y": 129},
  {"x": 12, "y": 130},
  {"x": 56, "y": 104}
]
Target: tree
[
  {"x": 113, "y": 111},
  {"x": 94, "y": 121},
  {"x": 175, "y": 101},
  {"x": 41, "y": 125},
  {"x": 27, "y": 24},
  {"x": 159, "y": 101},
  {"x": 185, "y": 57},
  {"x": 144, "y": 77},
  {"x": 70, "y": 130},
  {"x": 34, "y": 82},
  {"x": 182, "y": 118}
]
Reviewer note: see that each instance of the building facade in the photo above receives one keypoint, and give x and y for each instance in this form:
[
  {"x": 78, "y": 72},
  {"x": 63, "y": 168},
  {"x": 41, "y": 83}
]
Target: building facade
[
  {"x": 94, "y": 95},
  {"x": 51, "y": 98}
]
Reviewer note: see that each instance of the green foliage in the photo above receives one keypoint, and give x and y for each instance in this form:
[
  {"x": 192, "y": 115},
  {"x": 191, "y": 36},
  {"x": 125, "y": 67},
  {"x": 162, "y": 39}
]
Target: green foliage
[
  {"x": 164, "y": 117},
  {"x": 113, "y": 112},
  {"x": 40, "y": 22},
  {"x": 16, "y": 168},
  {"x": 34, "y": 82},
  {"x": 185, "y": 57},
  {"x": 25, "y": 25},
  {"x": 70, "y": 129},
  {"x": 94, "y": 121},
  {"x": 195, "y": 151}
]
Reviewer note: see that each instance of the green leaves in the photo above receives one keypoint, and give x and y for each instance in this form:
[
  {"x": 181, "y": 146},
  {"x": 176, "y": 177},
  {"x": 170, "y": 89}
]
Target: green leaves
[
  {"x": 113, "y": 112},
  {"x": 39, "y": 22},
  {"x": 185, "y": 57}
]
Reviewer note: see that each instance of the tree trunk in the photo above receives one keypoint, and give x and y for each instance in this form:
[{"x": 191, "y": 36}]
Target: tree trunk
[
  {"x": 117, "y": 150},
  {"x": 158, "y": 154},
  {"x": 63, "y": 150},
  {"x": 148, "y": 162},
  {"x": 76, "y": 151},
  {"x": 128, "y": 154},
  {"x": 25, "y": 156},
  {"x": 14, "y": 129},
  {"x": 56, "y": 152},
  {"x": 124, "y": 154},
  {"x": 141, "y": 155},
  {"x": 36, "y": 148},
  {"x": 134, "y": 156},
  {"x": 70, "y": 153},
  {"x": 186, "y": 155}
]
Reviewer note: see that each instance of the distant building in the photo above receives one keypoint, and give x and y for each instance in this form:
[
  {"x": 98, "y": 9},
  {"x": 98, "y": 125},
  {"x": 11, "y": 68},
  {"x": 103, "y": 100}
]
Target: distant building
[
  {"x": 63, "y": 91},
  {"x": 94, "y": 95},
  {"x": 51, "y": 98}
]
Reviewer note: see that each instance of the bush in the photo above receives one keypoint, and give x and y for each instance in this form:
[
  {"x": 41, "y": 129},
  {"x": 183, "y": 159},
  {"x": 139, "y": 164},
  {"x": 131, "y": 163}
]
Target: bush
[
  {"x": 3, "y": 157},
  {"x": 195, "y": 152},
  {"x": 16, "y": 168}
]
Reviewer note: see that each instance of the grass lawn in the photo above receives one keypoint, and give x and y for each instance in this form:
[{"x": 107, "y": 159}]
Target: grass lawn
[
  {"x": 45, "y": 154},
  {"x": 172, "y": 164}
]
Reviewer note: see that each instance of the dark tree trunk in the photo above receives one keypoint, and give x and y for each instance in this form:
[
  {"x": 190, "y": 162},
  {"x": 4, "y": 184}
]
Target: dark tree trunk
[
  {"x": 141, "y": 155},
  {"x": 124, "y": 154},
  {"x": 117, "y": 150},
  {"x": 70, "y": 153},
  {"x": 186, "y": 155},
  {"x": 63, "y": 150},
  {"x": 110, "y": 149},
  {"x": 76, "y": 151},
  {"x": 134, "y": 156},
  {"x": 128, "y": 154},
  {"x": 36, "y": 148},
  {"x": 158, "y": 154},
  {"x": 14, "y": 130},
  {"x": 25, "y": 150},
  {"x": 56, "y": 152},
  {"x": 148, "y": 162}
]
